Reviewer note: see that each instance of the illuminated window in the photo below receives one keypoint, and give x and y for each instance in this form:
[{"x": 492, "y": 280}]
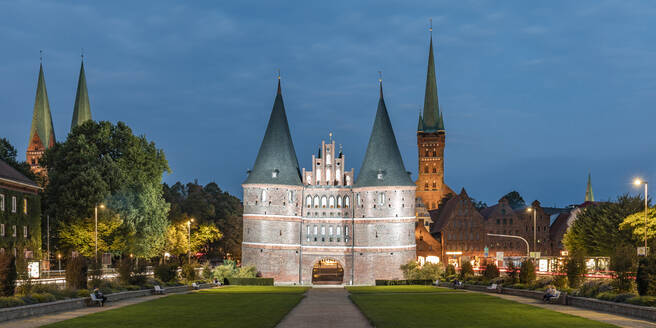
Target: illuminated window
[
  {"x": 328, "y": 177},
  {"x": 316, "y": 231},
  {"x": 24, "y": 231},
  {"x": 348, "y": 180},
  {"x": 324, "y": 201},
  {"x": 264, "y": 195},
  {"x": 347, "y": 202},
  {"x": 316, "y": 201},
  {"x": 308, "y": 201},
  {"x": 339, "y": 202},
  {"x": 434, "y": 170},
  {"x": 331, "y": 202},
  {"x": 337, "y": 175},
  {"x": 338, "y": 230},
  {"x": 323, "y": 230},
  {"x": 318, "y": 175},
  {"x": 13, "y": 234},
  {"x": 13, "y": 204},
  {"x": 2, "y": 230},
  {"x": 24, "y": 205},
  {"x": 2, "y": 202}
]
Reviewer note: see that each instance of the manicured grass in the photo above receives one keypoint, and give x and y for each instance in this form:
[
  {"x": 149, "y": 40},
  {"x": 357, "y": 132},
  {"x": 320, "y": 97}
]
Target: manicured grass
[
  {"x": 238, "y": 306},
  {"x": 458, "y": 310},
  {"x": 399, "y": 289}
]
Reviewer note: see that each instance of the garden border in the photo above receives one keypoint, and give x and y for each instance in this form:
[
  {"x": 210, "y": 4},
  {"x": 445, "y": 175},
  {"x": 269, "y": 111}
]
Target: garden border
[{"x": 20, "y": 312}]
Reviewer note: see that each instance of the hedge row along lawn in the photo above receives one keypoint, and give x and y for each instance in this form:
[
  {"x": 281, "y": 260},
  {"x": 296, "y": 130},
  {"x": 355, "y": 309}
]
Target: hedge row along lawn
[
  {"x": 425, "y": 306},
  {"x": 230, "y": 306}
]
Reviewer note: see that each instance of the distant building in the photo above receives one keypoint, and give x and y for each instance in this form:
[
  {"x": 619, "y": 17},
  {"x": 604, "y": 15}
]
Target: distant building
[
  {"x": 20, "y": 214},
  {"x": 566, "y": 219},
  {"x": 42, "y": 133}
]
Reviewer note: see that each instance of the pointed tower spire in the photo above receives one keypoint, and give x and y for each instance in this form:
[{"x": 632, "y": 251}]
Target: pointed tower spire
[
  {"x": 383, "y": 164},
  {"x": 431, "y": 105},
  {"x": 589, "y": 196},
  {"x": 81, "y": 109},
  {"x": 276, "y": 161},
  {"x": 42, "y": 131},
  {"x": 420, "y": 125}
]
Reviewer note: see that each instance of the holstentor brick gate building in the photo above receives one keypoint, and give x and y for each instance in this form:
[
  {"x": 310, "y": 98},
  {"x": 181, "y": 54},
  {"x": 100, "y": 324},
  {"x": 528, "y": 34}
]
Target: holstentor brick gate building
[{"x": 324, "y": 225}]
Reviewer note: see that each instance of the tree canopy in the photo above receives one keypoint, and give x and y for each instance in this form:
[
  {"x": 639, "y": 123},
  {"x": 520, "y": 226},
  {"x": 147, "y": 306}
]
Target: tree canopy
[
  {"x": 596, "y": 230},
  {"x": 103, "y": 163},
  {"x": 514, "y": 199}
]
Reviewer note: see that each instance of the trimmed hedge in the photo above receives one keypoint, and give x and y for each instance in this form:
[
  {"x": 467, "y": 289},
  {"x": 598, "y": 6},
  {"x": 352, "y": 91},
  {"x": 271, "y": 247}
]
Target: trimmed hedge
[
  {"x": 403, "y": 282},
  {"x": 249, "y": 281}
]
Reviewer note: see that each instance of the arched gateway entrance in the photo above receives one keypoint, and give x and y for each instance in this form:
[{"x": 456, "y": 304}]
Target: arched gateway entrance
[{"x": 327, "y": 272}]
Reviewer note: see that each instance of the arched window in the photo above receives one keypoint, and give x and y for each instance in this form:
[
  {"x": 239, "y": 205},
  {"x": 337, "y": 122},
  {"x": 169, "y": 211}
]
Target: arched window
[
  {"x": 331, "y": 202},
  {"x": 434, "y": 185},
  {"x": 318, "y": 175},
  {"x": 381, "y": 198},
  {"x": 348, "y": 180},
  {"x": 316, "y": 201},
  {"x": 426, "y": 153},
  {"x": 434, "y": 153},
  {"x": 347, "y": 202},
  {"x": 324, "y": 201},
  {"x": 359, "y": 200},
  {"x": 264, "y": 195},
  {"x": 426, "y": 169},
  {"x": 339, "y": 202},
  {"x": 328, "y": 177},
  {"x": 291, "y": 196},
  {"x": 339, "y": 230},
  {"x": 337, "y": 175},
  {"x": 426, "y": 186},
  {"x": 308, "y": 201},
  {"x": 434, "y": 170}
]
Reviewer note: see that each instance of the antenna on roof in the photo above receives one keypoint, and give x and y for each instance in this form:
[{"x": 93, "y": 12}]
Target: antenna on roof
[
  {"x": 380, "y": 76},
  {"x": 430, "y": 29},
  {"x": 82, "y": 54},
  {"x": 279, "y": 74}
]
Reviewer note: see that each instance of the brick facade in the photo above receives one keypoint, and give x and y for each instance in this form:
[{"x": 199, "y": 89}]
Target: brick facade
[{"x": 430, "y": 182}]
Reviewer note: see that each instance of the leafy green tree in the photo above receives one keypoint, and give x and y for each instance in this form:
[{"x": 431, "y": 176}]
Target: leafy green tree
[
  {"x": 80, "y": 235},
  {"x": 76, "y": 273},
  {"x": 635, "y": 223},
  {"x": 514, "y": 199},
  {"x": 466, "y": 270},
  {"x": 491, "y": 271},
  {"x": 8, "y": 274},
  {"x": 623, "y": 265},
  {"x": 105, "y": 163},
  {"x": 177, "y": 238},
  {"x": 596, "y": 232},
  {"x": 527, "y": 272},
  {"x": 575, "y": 268},
  {"x": 513, "y": 272},
  {"x": 646, "y": 276}
]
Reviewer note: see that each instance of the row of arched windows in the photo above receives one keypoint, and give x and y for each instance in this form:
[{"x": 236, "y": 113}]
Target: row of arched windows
[{"x": 327, "y": 202}]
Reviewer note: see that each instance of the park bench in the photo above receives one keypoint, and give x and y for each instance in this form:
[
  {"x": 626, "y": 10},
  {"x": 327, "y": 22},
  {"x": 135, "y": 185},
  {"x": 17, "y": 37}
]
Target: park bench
[
  {"x": 158, "y": 290},
  {"x": 554, "y": 298},
  {"x": 195, "y": 285},
  {"x": 95, "y": 299}
]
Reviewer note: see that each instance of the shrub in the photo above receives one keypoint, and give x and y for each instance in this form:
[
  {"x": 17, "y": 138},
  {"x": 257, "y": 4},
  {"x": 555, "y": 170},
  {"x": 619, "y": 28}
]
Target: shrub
[
  {"x": 450, "y": 270},
  {"x": 10, "y": 301},
  {"x": 646, "y": 276},
  {"x": 513, "y": 272},
  {"x": 83, "y": 292},
  {"x": 491, "y": 271},
  {"x": 466, "y": 270},
  {"x": 207, "y": 271},
  {"x": 250, "y": 281},
  {"x": 76, "y": 272},
  {"x": 527, "y": 272},
  {"x": 543, "y": 282},
  {"x": 137, "y": 280},
  {"x": 125, "y": 268},
  {"x": 223, "y": 271},
  {"x": 642, "y": 300},
  {"x": 575, "y": 267},
  {"x": 166, "y": 272},
  {"x": 403, "y": 282},
  {"x": 188, "y": 272},
  {"x": 429, "y": 271},
  {"x": 43, "y": 297},
  {"x": 623, "y": 264},
  {"x": 432, "y": 271},
  {"x": 8, "y": 274},
  {"x": 246, "y": 272}
]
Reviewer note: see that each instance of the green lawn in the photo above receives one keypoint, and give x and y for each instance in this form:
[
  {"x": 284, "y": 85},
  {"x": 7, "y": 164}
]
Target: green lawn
[
  {"x": 399, "y": 289},
  {"x": 392, "y": 306},
  {"x": 252, "y": 306}
]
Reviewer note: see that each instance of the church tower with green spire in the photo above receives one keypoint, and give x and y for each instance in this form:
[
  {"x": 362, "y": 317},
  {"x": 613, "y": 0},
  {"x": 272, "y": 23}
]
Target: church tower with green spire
[
  {"x": 42, "y": 133},
  {"x": 431, "y": 137},
  {"x": 589, "y": 195},
  {"x": 81, "y": 108}
]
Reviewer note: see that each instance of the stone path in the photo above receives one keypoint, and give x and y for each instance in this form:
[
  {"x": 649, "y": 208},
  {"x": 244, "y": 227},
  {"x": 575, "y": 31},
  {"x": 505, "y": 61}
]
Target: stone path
[
  {"x": 613, "y": 319},
  {"x": 61, "y": 316},
  {"x": 325, "y": 308}
]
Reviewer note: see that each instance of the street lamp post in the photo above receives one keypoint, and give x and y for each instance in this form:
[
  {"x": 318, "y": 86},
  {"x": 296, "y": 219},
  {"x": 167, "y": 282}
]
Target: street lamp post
[
  {"x": 638, "y": 182},
  {"x": 530, "y": 209},
  {"x": 59, "y": 261},
  {"x": 189, "y": 239},
  {"x": 528, "y": 251},
  {"x": 96, "y": 233}
]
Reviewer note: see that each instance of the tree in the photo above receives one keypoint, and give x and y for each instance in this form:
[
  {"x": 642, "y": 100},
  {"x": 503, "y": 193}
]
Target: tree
[
  {"x": 514, "y": 199},
  {"x": 596, "y": 232},
  {"x": 105, "y": 163},
  {"x": 491, "y": 271},
  {"x": 575, "y": 268},
  {"x": 81, "y": 235},
  {"x": 635, "y": 223},
  {"x": 527, "y": 272},
  {"x": 623, "y": 264},
  {"x": 177, "y": 238},
  {"x": 8, "y": 274},
  {"x": 76, "y": 273},
  {"x": 8, "y": 155},
  {"x": 466, "y": 270},
  {"x": 513, "y": 272},
  {"x": 646, "y": 276}
]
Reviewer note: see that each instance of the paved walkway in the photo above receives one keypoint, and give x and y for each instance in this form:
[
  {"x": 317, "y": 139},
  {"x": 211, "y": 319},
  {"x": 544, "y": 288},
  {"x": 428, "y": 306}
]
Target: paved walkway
[
  {"x": 61, "y": 316},
  {"x": 325, "y": 308},
  {"x": 614, "y": 319}
]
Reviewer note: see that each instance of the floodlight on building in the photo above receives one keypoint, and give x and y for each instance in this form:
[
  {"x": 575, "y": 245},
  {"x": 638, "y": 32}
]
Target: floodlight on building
[{"x": 454, "y": 253}]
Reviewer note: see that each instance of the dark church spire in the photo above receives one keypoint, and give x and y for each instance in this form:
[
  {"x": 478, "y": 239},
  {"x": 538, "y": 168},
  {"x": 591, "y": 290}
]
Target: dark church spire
[
  {"x": 589, "y": 196},
  {"x": 276, "y": 161},
  {"x": 432, "y": 119},
  {"x": 383, "y": 164},
  {"x": 82, "y": 108}
]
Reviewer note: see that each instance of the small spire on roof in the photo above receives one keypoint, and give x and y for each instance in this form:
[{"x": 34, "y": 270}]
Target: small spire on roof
[
  {"x": 380, "y": 80},
  {"x": 279, "y": 88},
  {"x": 82, "y": 54},
  {"x": 430, "y": 29},
  {"x": 41, "y": 56},
  {"x": 330, "y": 136}
]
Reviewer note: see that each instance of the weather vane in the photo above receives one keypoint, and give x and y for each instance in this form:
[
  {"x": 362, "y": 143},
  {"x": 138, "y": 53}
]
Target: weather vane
[
  {"x": 330, "y": 135},
  {"x": 41, "y": 56},
  {"x": 380, "y": 76},
  {"x": 82, "y": 54},
  {"x": 279, "y": 74},
  {"x": 431, "y": 25}
]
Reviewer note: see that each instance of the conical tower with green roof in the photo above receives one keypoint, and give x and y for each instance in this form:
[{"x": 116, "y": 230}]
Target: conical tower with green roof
[
  {"x": 383, "y": 164},
  {"x": 276, "y": 161},
  {"x": 431, "y": 139},
  {"x": 42, "y": 133},
  {"x": 81, "y": 109},
  {"x": 589, "y": 195}
]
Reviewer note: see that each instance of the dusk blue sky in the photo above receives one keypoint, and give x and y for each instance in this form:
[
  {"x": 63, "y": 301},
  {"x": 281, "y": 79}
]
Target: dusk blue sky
[{"x": 535, "y": 94}]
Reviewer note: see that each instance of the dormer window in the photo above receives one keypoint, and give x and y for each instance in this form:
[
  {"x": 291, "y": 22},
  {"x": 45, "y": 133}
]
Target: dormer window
[
  {"x": 380, "y": 175},
  {"x": 274, "y": 173}
]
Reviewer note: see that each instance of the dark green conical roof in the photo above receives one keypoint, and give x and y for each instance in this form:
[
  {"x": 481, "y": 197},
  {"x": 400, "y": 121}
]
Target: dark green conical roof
[
  {"x": 432, "y": 118},
  {"x": 383, "y": 155},
  {"x": 589, "y": 195},
  {"x": 277, "y": 152},
  {"x": 81, "y": 109},
  {"x": 41, "y": 117},
  {"x": 420, "y": 124}
]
